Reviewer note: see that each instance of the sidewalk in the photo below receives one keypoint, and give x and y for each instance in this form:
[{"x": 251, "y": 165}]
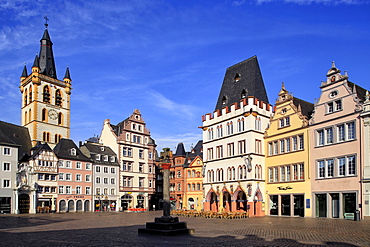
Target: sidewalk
[{"x": 120, "y": 229}]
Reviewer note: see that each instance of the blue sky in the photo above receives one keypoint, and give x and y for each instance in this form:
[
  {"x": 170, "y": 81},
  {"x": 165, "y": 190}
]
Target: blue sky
[{"x": 168, "y": 58}]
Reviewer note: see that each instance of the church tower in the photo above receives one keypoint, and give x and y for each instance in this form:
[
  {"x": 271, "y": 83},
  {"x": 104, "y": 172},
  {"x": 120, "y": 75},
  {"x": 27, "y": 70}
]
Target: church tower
[{"x": 45, "y": 99}]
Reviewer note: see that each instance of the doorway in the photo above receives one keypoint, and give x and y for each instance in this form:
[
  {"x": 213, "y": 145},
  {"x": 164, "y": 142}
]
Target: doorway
[
  {"x": 335, "y": 205},
  {"x": 299, "y": 205},
  {"x": 24, "y": 204},
  {"x": 321, "y": 207}
]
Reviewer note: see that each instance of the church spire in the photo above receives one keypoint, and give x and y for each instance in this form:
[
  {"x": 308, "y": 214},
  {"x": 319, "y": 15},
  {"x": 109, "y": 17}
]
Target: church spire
[
  {"x": 46, "y": 58},
  {"x": 24, "y": 72}
]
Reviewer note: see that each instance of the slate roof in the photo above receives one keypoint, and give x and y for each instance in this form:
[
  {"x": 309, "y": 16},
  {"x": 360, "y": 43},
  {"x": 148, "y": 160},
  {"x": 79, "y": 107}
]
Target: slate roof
[
  {"x": 46, "y": 56},
  {"x": 62, "y": 151},
  {"x": 246, "y": 76},
  {"x": 306, "y": 107},
  {"x": 11, "y": 134},
  {"x": 180, "y": 150},
  {"x": 361, "y": 92},
  {"x": 38, "y": 148},
  {"x": 91, "y": 149}
]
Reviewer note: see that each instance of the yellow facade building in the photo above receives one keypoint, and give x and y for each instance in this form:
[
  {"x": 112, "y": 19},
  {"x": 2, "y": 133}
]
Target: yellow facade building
[
  {"x": 194, "y": 195},
  {"x": 288, "y": 186}
]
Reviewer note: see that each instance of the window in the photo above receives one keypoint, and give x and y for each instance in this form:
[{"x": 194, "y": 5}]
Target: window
[
  {"x": 105, "y": 180},
  {"x": 6, "y": 183},
  {"x": 46, "y": 95},
  {"x": 284, "y": 122},
  {"x": 141, "y": 154},
  {"x": 112, "y": 181},
  {"x": 97, "y": 157},
  {"x": 271, "y": 175},
  {"x": 301, "y": 142},
  {"x": 288, "y": 173},
  {"x": 105, "y": 169},
  {"x": 6, "y": 151},
  {"x": 68, "y": 189},
  {"x": 78, "y": 190},
  {"x": 257, "y": 123},
  {"x": 334, "y": 106},
  {"x": 150, "y": 155},
  {"x": 78, "y": 165},
  {"x": 342, "y": 166},
  {"x": 105, "y": 157},
  {"x": 68, "y": 177},
  {"x": 97, "y": 168},
  {"x": 282, "y": 146},
  {"x": 276, "y": 174},
  {"x": 47, "y": 189},
  {"x": 351, "y": 131},
  {"x": 295, "y": 143},
  {"x": 60, "y": 163},
  {"x": 179, "y": 174},
  {"x": 230, "y": 149},
  {"x": 329, "y": 135},
  {"x": 112, "y": 191},
  {"x": 141, "y": 182},
  {"x": 68, "y": 164},
  {"x": 129, "y": 166},
  {"x": 219, "y": 152},
  {"x": 287, "y": 144},
  {"x": 87, "y": 190},
  {"x": 61, "y": 190},
  {"x": 124, "y": 182},
  {"x": 341, "y": 133},
  {"x": 88, "y": 166},
  {"x": 78, "y": 177},
  {"x": 129, "y": 182},
  {"x": 242, "y": 147},
  {"x": 105, "y": 191},
  {"x": 276, "y": 148},
  {"x": 179, "y": 187},
  {"x": 282, "y": 173},
  {"x": 73, "y": 152},
  {"x": 270, "y": 149},
  {"x": 219, "y": 131},
  {"x": 258, "y": 146},
  {"x": 87, "y": 178},
  {"x": 330, "y": 165},
  {"x": 97, "y": 180},
  {"x": 351, "y": 165},
  {"x": 6, "y": 166},
  {"x": 112, "y": 170},
  {"x": 61, "y": 176}
]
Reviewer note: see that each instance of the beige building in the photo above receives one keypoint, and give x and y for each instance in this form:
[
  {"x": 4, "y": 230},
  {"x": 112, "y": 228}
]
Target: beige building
[
  {"x": 131, "y": 141},
  {"x": 335, "y": 147}
]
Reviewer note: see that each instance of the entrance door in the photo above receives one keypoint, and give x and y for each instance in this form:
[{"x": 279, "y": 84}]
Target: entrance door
[
  {"x": 24, "y": 204},
  {"x": 285, "y": 205},
  {"x": 321, "y": 208},
  {"x": 335, "y": 205},
  {"x": 299, "y": 205}
]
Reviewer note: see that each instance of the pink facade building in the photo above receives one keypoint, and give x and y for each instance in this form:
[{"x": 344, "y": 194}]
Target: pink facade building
[
  {"x": 75, "y": 178},
  {"x": 335, "y": 144}
]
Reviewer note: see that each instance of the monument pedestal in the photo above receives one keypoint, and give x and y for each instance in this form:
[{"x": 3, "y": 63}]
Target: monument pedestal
[{"x": 166, "y": 226}]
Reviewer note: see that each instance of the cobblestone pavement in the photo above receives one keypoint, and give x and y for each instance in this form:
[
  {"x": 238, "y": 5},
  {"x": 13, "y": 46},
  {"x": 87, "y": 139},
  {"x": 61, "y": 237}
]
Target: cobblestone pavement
[{"x": 121, "y": 229}]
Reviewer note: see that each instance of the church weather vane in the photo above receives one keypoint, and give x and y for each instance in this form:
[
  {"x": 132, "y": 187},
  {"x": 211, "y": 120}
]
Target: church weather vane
[{"x": 46, "y": 21}]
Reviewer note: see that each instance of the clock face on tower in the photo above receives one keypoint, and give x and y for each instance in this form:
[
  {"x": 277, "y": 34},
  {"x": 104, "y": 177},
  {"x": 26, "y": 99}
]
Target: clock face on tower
[{"x": 53, "y": 114}]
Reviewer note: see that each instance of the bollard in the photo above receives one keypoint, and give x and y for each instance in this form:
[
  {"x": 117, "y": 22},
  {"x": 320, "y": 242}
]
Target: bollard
[{"x": 357, "y": 215}]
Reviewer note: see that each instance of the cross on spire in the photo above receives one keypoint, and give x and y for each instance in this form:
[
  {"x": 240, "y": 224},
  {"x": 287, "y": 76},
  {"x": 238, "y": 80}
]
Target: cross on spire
[{"x": 46, "y": 21}]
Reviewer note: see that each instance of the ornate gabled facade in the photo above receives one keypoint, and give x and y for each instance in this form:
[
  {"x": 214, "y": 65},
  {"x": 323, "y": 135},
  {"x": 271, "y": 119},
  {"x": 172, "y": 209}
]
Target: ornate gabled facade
[
  {"x": 131, "y": 140},
  {"x": 233, "y": 142},
  {"x": 335, "y": 147},
  {"x": 193, "y": 184},
  {"x": 45, "y": 99},
  {"x": 44, "y": 165},
  {"x": 288, "y": 187},
  {"x": 177, "y": 177}
]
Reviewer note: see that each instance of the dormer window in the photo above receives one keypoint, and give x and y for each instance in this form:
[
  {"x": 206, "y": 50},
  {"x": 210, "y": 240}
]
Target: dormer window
[
  {"x": 105, "y": 157},
  {"x": 73, "y": 152},
  {"x": 244, "y": 94},
  {"x": 112, "y": 159},
  {"x": 237, "y": 78},
  {"x": 98, "y": 157},
  {"x": 101, "y": 148},
  {"x": 224, "y": 100}
]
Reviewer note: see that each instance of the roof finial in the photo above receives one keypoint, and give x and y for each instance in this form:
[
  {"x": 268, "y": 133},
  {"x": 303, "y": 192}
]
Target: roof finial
[
  {"x": 46, "y": 21},
  {"x": 282, "y": 85},
  {"x": 333, "y": 64}
]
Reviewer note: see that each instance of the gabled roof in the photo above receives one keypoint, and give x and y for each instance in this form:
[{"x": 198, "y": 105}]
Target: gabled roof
[
  {"x": 91, "y": 149},
  {"x": 38, "y": 148},
  {"x": 63, "y": 151},
  {"x": 361, "y": 92},
  {"x": 242, "y": 80},
  {"x": 306, "y": 107},
  {"x": 11, "y": 134}
]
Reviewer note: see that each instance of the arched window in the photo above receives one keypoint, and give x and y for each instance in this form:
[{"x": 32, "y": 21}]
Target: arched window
[
  {"x": 29, "y": 116},
  {"x": 229, "y": 173},
  {"x": 25, "y": 117},
  {"x": 60, "y": 118},
  {"x": 30, "y": 95},
  {"x": 44, "y": 115},
  {"x": 240, "y": 172},
  {"x": 46, "y": 95},
  {"x": 222, "y": 175},
  {"x": 193, "y": 173},
  {"x": 233, "y": 173},
  {"x": 244, "y": 172},
  {"x": 58, "y": 98},
  {"x": 25, "y": 97},
  {"x": 48, "y": 136}
]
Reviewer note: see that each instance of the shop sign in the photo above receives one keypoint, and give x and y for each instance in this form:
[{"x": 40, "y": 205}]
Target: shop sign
[
  {"x": 285, "y": 188},
  {"x": 47, "y": 196},
  {"x": 79, "y": 197}
]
